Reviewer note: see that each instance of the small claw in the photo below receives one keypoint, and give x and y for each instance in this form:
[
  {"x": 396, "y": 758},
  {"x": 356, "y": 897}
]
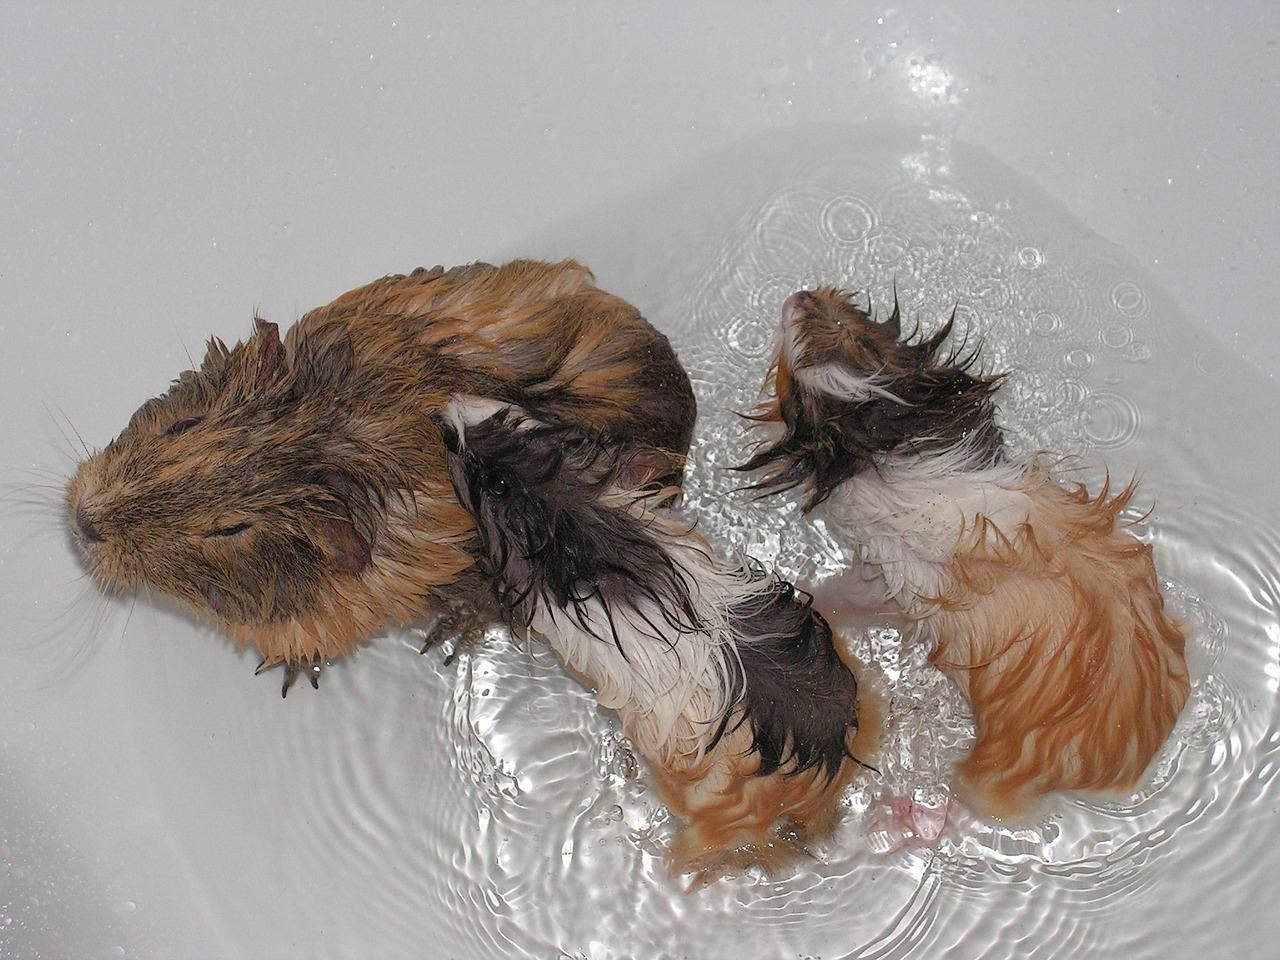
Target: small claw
[
  {"x": 290, "y": 678},
  {"x": 461, "y": 622},
  {"x": 293, "y": 670}
]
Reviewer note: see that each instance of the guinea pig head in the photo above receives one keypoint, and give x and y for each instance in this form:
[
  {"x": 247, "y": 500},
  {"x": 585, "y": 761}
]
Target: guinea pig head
[
  {"x": 558, "y": 516},
  {"x": 227, "y": 492},
  {"x": 832, "y": 368},
  {"x": 824, "y": 331},
  {"x": 849, "y": 390}
]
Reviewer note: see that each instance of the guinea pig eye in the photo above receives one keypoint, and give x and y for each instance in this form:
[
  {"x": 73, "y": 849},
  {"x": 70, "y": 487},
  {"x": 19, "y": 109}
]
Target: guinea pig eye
[
  {"x": 182, "y": 426},
  {"x": 230, "y": 531},
  {"x": 496, "y": 486}
]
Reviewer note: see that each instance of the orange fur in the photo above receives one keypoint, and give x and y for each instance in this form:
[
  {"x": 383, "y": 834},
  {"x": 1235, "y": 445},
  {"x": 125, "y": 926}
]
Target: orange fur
[
  {"x": 732, "y": 817},
  {"x": 1057, "y": 634}
]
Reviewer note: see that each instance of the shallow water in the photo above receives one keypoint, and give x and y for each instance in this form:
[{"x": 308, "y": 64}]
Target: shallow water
[
  {"x": 1101, "y": 369},
  {"x": 484, "y": 806}
]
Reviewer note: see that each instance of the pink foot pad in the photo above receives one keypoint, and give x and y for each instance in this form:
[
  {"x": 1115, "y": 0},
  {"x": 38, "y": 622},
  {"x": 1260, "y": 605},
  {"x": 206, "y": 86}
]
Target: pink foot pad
[{"x": 901, "y": 823}]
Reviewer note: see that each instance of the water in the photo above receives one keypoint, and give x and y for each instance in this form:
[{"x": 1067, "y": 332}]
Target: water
[{"x": 486, "y": 807}]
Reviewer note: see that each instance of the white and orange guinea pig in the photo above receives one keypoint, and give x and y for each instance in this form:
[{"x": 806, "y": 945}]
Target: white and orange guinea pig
[
  {"x": 1043, "y": 609},
  {"x": 726, "y": 681}
]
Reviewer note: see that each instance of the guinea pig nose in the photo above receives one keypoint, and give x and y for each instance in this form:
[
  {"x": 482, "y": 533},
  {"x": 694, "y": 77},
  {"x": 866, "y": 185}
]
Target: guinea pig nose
[
  {"x": 84, "y": 526},
  {"x": 795, "y": 303}
]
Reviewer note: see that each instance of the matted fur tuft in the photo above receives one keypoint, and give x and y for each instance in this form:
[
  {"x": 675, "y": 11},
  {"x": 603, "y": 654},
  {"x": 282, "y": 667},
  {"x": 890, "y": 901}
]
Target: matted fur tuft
[
  {"x": 1045, "y": 611},
  {"x": 1056, "y": 631},
  {"x": 725, "y": 679}
]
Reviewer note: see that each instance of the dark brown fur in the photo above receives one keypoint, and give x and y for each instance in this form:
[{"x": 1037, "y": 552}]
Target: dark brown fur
[
  {"x": 547, "y": 537},
  {"x": 826, "y": 440},
  {"x": 296, "y": 491}
]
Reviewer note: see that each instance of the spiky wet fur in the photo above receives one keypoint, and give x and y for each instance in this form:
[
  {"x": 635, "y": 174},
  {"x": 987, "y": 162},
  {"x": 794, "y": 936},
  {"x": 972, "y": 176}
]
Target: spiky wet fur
[
  {"x": 726, "y": 680},
  {"x": 846, "y": 390},
  {"x": 296, "y": 491},
  {"x": 1044, "y": 610}
]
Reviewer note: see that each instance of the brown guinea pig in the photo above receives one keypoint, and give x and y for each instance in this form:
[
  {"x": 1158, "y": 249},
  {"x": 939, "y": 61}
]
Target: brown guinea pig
[{"x": 296, "y": 491}]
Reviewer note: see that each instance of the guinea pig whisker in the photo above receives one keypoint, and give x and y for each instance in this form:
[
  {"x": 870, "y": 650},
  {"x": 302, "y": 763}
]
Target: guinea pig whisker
[
  {"x": 70, "y": 426},
  {"x": 39, "y": 501},
  {"x": 95, "y": 621},
  {"x": 128, "y": 619}
]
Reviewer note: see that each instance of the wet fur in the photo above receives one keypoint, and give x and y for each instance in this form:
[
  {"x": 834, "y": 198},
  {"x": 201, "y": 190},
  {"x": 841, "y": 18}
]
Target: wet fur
[
  {"x": 1044, "y": 610},
  {"x": 295, "y": 491},
  {"x": 725, "y": 679},
  {"x": 846, "y": 390}
]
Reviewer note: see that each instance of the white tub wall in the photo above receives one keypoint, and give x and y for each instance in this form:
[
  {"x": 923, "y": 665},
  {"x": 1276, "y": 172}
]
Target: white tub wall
[
  {"x": 269, "y": 157},
  {"x": 167, "y": 171}
]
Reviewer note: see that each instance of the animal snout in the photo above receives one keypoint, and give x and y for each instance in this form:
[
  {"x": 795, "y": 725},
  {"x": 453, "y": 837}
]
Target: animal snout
[
  {"x": 795, "y": 305},
  {"x": 85, "y": 528}
]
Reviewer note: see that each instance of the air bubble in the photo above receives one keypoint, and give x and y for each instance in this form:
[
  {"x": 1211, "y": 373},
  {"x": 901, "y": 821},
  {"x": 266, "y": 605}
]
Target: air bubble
[
  {"x": 1080, "y": 358},
  {"x": 1130, "y": 300},
  {"x": 848, "y": 220},
  {"x": 1112, "y": 420},
  {"x": 1207, "y": 365},
  {"x": 1046, "y": 323},
  {"x": 1070, "y": 394},
  {"x": 748, "y": 338},
  {"x": 1030, "y": 258},
  {"x": 1115, "y": 335}
]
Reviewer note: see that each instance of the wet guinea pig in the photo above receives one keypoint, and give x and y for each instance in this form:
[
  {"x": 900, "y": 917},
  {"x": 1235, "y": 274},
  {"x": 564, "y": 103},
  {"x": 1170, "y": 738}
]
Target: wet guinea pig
[
  {"x": 726, "y": 681},
  {"x": 296, "y": 491},
  {"x": 1043, "y": 609}
]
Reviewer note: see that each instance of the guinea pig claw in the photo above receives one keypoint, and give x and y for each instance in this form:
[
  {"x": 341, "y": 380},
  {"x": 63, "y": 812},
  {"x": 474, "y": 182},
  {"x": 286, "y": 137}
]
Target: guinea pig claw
[
  {"x": 293, "y": 670},
  {"x": 459, "y": 622}
]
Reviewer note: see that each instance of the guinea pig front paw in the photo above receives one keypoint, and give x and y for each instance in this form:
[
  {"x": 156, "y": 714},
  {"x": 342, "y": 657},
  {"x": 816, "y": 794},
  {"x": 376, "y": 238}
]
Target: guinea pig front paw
[
  {"x": 461, "y": 624},
  {"x": 294, "y": 669}
]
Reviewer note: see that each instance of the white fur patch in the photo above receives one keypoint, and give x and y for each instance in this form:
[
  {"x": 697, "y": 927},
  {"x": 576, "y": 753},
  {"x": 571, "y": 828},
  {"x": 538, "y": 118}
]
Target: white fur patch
[
  {"x": 909, "y": 516},
  {"x": 843, "y": 384},
  {"x": 464, "y": 411},
  {"x": 829, "y": 378},
  {"x": 672, "y": 687}
]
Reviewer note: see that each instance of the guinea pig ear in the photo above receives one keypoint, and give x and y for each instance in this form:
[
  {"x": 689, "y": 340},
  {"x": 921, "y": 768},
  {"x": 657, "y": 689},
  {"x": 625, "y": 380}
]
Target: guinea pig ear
[
  {"x": 345, "y": 544},
  {"x": 342, "y": 545},
  {"x": 647, "y": 466},
  {"x": 269, "y": 350}
]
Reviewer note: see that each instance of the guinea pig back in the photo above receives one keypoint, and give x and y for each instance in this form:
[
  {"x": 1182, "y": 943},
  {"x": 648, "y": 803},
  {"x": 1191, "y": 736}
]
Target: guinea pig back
[{"x": 295, "y": 490}]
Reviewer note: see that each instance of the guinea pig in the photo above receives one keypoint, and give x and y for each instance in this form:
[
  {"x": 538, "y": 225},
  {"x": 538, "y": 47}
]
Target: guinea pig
[
  {"x": 295, "y": 490},
  {"x": 1043, "y": 609},
  {"x": 727, "y": 681}
]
